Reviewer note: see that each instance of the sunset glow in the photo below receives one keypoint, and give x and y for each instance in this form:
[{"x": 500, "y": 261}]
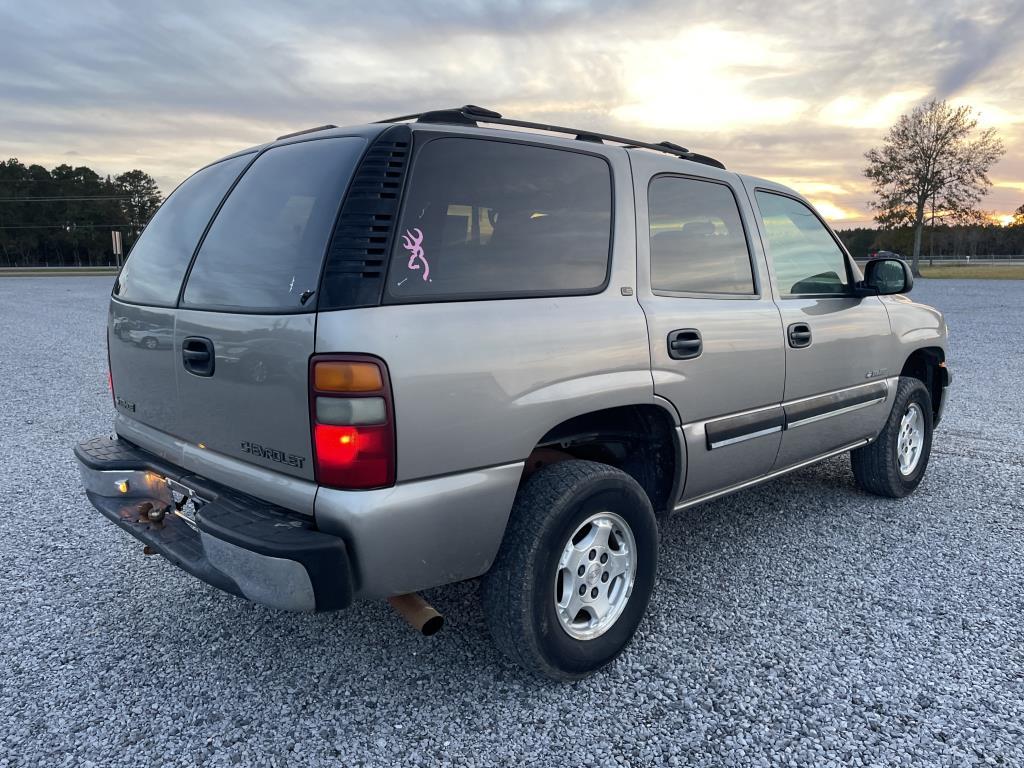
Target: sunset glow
[
  {"x": 797, "y": 97},
  {"x": 692, "y": 80}
]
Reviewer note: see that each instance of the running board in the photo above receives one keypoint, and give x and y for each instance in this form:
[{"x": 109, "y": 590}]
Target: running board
[{"x": 765, "y": 478}]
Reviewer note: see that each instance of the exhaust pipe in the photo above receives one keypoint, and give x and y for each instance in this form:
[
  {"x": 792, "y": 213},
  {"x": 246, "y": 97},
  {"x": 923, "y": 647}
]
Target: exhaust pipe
[{"x": 420, "y": 614}]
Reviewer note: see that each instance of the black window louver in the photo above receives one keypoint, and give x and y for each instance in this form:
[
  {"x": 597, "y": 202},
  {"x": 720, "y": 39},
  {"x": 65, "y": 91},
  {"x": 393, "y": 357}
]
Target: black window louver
[{"x": 357, "y": 260}]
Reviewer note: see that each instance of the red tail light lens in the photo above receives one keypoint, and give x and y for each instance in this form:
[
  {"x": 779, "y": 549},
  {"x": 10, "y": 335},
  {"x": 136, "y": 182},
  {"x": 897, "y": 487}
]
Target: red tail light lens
[
  {"x": 353, "y": 428},
  {"x": 353, "y": 457}
]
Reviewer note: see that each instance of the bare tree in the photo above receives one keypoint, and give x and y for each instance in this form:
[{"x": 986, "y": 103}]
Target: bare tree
[{"x": 935, "y": 153}]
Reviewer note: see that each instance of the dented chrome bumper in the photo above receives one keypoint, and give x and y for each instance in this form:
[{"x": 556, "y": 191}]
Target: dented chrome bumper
[{"x": 236, "y": 543}]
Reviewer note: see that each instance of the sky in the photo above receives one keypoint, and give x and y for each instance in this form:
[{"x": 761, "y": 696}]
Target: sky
[{"x": 795, "y": 91}]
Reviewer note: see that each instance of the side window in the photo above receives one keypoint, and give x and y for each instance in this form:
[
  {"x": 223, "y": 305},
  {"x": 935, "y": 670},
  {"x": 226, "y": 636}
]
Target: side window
[
  {"x": 266, "y": 246},
  {"x": 152, "y": 275},
  {"x": 498, "y": 219},
  {"x": 805, "y": 258},
  {"x": 697, "y": 239}
]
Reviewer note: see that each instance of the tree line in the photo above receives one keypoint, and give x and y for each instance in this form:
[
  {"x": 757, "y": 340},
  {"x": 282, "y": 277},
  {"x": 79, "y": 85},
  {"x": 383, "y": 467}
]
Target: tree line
[
  {"x": 64, "y": 216},
  {"x": 942, "y": 241},
  {"x": 929, "y": 177}
]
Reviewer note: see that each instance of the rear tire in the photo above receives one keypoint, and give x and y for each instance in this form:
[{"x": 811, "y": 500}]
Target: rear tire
[
  {"x": 576, "y": 526},
  {"x": 894, "y": 464}
]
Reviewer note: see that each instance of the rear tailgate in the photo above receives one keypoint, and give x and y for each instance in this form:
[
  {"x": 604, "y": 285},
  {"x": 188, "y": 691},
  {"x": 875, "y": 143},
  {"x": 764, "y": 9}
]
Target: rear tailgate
[
  {"x": 140, "y": 330},
  {"x": 255, "y": 405},
  {"x": 250, "y": 298},
  {"x": 230, "y": 372}
]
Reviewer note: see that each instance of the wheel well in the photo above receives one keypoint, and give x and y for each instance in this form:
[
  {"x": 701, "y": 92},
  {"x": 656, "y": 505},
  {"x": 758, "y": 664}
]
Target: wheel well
[
  {"x": 925, "y": 364},
  {"x": 638, "y": 439}
]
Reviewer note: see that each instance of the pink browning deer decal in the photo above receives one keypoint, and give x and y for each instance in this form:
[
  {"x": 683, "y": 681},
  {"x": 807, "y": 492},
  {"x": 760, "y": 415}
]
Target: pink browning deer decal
[{"x": 412, "y": 243}]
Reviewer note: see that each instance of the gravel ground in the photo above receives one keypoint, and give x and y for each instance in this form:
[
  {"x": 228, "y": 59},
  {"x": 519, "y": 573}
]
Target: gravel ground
[{"x": 801, "y": 623}]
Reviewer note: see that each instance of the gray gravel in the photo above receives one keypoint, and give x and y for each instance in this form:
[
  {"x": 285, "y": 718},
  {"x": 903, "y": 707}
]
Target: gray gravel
[{"x": 801, "y": 623}]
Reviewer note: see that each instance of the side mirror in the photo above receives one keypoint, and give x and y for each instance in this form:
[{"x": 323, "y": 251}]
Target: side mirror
[{"x": 884, "y": 277}]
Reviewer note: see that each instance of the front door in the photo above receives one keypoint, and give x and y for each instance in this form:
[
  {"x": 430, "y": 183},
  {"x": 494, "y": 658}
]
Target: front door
[
  {"x": 836, "y": 382},
  {"x": 715, "y": 336}
]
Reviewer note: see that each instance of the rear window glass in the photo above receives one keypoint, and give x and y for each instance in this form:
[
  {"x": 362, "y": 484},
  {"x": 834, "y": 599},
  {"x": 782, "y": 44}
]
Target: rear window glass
[
  {"x": 697, "y": 240},
  {"x": 266, "y": 246},
  {"x": 154, "y": 269},
  {"x": 497, "y": 219}
]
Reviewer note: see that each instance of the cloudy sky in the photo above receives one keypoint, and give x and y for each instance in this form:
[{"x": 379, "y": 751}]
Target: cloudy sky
[{"x": 794, "y": 90}]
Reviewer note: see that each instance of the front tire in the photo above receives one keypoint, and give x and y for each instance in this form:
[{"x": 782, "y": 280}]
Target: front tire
[
  {"x": 894, "y": 464},
  {"x": 575, "y": 572}
]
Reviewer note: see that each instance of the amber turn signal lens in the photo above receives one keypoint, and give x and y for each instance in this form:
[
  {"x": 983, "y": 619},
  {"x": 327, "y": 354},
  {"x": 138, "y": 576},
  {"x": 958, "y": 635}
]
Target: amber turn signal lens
[{"x": 336, "y": 376}]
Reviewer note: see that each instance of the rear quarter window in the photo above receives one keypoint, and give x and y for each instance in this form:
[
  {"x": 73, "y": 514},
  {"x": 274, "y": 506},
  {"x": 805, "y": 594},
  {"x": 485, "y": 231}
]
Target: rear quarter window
[
  {"x": 495, "y": 219},
  {"x": 265, "y": 249},
  {"x": 153, "y": 272}
]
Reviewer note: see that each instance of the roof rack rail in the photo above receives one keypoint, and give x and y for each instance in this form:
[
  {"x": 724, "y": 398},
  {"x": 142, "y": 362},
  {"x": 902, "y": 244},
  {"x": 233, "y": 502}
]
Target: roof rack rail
[
  {"x": 308, "y": 130},
  {"x": 472, "y": 115}
]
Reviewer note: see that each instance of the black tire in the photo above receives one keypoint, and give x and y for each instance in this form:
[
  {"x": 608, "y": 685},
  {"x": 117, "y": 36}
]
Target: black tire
[
  {"x": 876, "y": 466},
  {"x": 518, "y": 592},
  {"x": 150, "y": 342}
]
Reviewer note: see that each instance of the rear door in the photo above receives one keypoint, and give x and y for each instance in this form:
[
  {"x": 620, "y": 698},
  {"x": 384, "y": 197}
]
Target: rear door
[
  {"x": 836, "y": 342},
  {"x": 715, "y": 336},
  {"x": 143, "y": 359},
  {"x": 246, "y": 324}
]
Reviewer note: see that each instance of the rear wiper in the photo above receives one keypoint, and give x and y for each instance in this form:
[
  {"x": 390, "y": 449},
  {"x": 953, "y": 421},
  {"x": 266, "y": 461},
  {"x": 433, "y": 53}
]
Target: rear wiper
[{"x": 305, "y": 296}]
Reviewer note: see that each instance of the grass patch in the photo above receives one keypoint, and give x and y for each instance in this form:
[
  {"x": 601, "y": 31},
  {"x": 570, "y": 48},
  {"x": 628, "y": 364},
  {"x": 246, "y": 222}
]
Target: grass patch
[{"x": 975, "y": 272}]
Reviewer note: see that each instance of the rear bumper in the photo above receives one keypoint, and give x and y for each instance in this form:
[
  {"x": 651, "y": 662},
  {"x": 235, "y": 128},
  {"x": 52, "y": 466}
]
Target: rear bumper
[{"x": 234, "y": 542}]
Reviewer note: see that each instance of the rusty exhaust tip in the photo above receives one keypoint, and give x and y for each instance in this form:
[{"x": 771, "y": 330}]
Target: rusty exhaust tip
[
  {"x": 420, "y": 614},
  {"x": 148, "y": 550}
]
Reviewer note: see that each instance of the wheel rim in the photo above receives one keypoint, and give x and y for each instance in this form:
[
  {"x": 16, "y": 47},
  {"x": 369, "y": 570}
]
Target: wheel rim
[
  {"x": 911, "y": 439},
  {"x": 595, "y": 576}
]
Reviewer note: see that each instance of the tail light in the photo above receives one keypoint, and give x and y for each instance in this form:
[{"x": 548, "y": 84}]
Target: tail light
[{"x": 353, "y": 421}]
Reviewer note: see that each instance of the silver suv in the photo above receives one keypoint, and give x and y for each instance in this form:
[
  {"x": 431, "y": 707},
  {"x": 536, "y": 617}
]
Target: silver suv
[{"x": 455, "y": 345}]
